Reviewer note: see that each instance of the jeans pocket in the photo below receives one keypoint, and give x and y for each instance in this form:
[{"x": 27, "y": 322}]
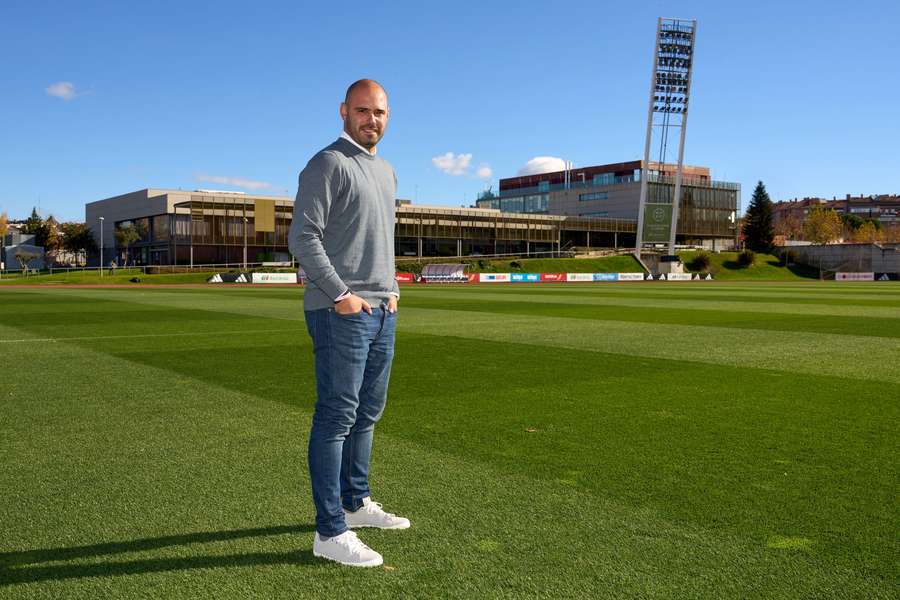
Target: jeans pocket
[{"x": 349, "y": 316}]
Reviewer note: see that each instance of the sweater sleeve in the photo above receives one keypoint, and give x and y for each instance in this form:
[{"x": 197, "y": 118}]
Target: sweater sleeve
[{"x": 318, "y": 186}]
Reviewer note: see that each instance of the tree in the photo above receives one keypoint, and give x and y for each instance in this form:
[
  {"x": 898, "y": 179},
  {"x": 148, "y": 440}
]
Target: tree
[
  {"x": 125, "y": 236},
  {"x": 867, "y": 232},
  {"x": 4, "y": 225},
  {"x": 790, "y": 226},
  {"x": 822, "y": 226},
  {"x": 32, "y": 223},
  {"x": 24, "y": 257},
  {"x": 51, "y": 239},
  {"x": 757, "y": 229},
  {"x": 77, "y": 238}
]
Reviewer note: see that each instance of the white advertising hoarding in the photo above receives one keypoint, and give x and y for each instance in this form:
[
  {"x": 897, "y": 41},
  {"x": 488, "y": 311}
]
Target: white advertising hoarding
[
  {"x": 579, "y": 276},
  {"x": 274, "y": 278},
  {"x": 631, "y": 276},
  {"x": 493, "y": 277}
]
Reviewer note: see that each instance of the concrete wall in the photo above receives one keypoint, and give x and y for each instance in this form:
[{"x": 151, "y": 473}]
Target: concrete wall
[{"x": 851, "y": 257}]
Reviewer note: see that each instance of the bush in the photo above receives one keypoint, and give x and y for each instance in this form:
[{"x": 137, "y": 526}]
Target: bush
[
  {"x": 701, "y": 261},
  {"x": 746, "y": 258}
]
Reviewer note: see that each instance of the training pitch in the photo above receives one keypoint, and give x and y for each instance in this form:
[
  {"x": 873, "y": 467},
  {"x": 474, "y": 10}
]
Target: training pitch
[{"x": 702, "y": 440}]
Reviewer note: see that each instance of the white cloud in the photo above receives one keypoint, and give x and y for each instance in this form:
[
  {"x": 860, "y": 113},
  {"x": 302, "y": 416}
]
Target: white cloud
[
  {"x": 452, "y": 164},
  {"x": 542, "y": 164},
  {"x": 234, "y": 181},
  {"x": 484, "y": 171},
  {"x": 63, "y": 89}
]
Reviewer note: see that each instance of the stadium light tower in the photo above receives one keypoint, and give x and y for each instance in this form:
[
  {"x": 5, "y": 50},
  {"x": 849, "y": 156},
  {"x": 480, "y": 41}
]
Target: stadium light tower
[{"x": 670, "y": 89}]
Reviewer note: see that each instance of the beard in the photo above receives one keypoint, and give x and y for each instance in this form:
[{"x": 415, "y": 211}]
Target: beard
[{"x": 367, "y": 138}]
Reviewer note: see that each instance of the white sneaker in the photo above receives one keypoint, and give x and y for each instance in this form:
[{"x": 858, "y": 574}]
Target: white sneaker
[
  {"x": 371, "y": 515},
  {"x": 346, "y": 549}
]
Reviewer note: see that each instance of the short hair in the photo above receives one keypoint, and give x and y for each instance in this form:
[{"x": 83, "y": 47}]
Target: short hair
[{"x": 360, "y": 83}]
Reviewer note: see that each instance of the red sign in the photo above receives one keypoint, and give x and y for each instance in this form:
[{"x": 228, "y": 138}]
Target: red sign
[
  {"x": 553, "y": 276},
  {"x": 472, "y": 277},
  {"x": 405, "y": 277}
]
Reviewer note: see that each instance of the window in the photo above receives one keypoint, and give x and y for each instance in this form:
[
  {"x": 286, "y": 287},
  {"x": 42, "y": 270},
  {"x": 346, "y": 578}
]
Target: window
[
  {"x": 601, "y": 213},
  {"x": 604, "y": 178},
  {"x": 544, "y": 186},
  {"x": 593, "y": 196}
]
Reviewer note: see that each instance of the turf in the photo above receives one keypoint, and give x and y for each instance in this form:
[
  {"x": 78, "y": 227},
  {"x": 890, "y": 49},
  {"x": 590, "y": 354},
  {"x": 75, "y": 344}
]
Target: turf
[
  {"x": 589, "y": 441},
  {"x": 120, "y": 277},
  {"x": 766, "y": 267}
]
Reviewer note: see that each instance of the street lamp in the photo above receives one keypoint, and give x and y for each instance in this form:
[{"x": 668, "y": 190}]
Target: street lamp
[
  {"x": 245, "y": 243},
  {"x": 101, "y": 246}
]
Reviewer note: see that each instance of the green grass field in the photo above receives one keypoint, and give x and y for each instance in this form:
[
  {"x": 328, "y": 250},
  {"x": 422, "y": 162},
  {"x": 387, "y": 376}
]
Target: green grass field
[{"x": 654, "y": 440}]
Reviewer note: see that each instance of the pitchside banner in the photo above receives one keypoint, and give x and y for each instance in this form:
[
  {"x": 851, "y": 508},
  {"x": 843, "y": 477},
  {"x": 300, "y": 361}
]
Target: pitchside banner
[
  {"x": 494, "y": 278},
  {"x": 553, "y": 276},
  {"x": 524, "y": 277},
  {"x": 605, "y": 276},
  {"x": 579, "y": 276},
  {"x": 680, "y": 277},
  {"x": 854, "y": 276},
  {"x": 657, "y": 223},
  {"x": 404, "y": 277},
  {"x": 631, "y": 276},
  {"x": 274, "y": 278}
]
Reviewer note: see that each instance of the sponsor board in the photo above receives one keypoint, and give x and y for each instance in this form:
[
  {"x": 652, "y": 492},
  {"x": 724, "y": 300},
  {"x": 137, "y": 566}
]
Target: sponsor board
[
  {"x": 494, "y": 278},
  {"x": 230, "y": 278},
  {"x": 887, "y": 276},
  {"x": 473, "y": 277},
  {"x": 524, "y": 277},
  {"x": 605, "y": 276},
  {"x": 579, "y": 276},
  {"x": 679, "y": 277},
  {"x": 553, "y": 276},
  {"x": 854, "y": 276},
  {"x": 631, "y": 276},
  {"x": 405, "y": 277},
  {"x": 273, "y": 278}
]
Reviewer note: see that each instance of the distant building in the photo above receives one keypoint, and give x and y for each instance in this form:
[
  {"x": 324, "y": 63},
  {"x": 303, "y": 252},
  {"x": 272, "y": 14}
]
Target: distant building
[
  {"x": 884, "y": 208},
  {"x": 707, "y": 213}
]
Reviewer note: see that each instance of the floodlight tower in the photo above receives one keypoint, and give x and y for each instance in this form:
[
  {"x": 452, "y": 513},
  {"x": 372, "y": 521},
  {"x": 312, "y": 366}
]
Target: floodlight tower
[{"x": 670, "y": 89}]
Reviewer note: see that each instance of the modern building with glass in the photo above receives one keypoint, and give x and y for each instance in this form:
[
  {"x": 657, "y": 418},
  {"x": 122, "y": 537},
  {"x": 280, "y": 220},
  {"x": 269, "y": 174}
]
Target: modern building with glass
[{"x": 708, "y": 208}]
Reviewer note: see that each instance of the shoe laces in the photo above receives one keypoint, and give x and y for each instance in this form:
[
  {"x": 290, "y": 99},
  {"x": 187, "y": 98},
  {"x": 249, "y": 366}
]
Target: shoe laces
[
  {"x": 375, "y": 507},
  {"x": 352, "y": 542}
]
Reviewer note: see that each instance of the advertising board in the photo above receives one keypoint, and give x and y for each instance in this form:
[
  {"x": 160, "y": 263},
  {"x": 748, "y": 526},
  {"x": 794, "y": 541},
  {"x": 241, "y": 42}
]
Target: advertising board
[
  {"x": 494, "y": 278},
  {"x": 579, "y": 276},
  {"x": 524, "y": 277},
  {"x": 553, "y": 276},
  {"x": 854, "y": 276},
  {"x": 274, "y": 278},
  {"x": 631, "y": 276},
  {"x": 605, "y": 276},
  {"x": 405, "y": 277},
  {"x": 679, "y": 277}
]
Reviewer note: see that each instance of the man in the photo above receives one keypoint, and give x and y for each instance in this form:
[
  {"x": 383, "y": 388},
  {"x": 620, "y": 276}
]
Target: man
[{"x": 342, "y": 235}]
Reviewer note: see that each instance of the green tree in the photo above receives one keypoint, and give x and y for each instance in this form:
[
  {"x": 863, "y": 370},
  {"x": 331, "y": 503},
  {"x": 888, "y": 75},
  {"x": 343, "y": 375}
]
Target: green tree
[
  {"x": 4, "y": 225},
  {"x": 822, "y": 225},
  {"x": 758, "y": 229},
  {"x": 125, "y": 237},
  {"x": 77, "y": 238}
]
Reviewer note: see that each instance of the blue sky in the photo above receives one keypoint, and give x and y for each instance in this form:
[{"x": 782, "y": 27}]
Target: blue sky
[{"x": 102, "y": 98}]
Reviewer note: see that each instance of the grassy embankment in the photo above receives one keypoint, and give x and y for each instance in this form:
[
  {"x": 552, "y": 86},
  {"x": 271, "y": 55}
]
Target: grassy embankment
[{"x": 766, "y": 267}]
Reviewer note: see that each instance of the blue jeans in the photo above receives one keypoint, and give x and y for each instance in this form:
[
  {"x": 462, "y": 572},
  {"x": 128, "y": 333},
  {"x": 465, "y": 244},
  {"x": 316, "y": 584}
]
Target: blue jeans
[{"x": 353, "y": 366}]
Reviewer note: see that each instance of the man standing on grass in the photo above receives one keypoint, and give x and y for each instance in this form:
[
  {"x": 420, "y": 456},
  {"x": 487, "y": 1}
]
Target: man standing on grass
[{"x": 342, "y": 235}]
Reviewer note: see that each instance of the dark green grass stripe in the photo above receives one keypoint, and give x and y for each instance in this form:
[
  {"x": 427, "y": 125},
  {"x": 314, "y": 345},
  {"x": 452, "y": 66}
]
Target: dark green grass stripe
[
  {"x": 736, "y": 449},
  {"x": 862, "y": 326}
]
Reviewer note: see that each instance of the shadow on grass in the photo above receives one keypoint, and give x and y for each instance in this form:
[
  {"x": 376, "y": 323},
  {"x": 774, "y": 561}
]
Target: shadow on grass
[{"x": 11, "y": 573}]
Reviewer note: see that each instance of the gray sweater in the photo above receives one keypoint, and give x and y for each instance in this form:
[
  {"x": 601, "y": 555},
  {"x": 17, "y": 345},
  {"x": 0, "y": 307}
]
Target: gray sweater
[{"x": 342, "y": 233}]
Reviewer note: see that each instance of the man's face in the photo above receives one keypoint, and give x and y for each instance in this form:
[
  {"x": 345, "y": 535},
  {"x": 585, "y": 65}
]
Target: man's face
[{"x": 365, "y": 115}]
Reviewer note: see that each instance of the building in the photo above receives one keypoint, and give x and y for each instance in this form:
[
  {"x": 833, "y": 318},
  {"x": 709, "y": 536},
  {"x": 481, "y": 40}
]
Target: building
[
  {"x": 233, "y": 228},
  {"x": 193, "y": 227},
  {"x": 707, "y": 212},
  {"x": 884, "y": 208}
]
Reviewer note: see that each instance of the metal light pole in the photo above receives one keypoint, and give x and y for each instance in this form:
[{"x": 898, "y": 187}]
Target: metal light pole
[
  {"x": 245, "y": 243},
  {"x": 101, "y": 246}
]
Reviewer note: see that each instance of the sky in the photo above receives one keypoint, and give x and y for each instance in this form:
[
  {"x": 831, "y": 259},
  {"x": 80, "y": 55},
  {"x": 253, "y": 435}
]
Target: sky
[{"x": 103, "y": 98}]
